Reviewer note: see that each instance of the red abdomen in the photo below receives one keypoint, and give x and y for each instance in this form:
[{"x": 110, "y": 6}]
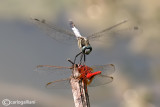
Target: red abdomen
[{"x": 89, "y": 75}]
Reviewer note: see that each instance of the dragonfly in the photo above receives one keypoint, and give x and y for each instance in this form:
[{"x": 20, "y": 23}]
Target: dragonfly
[
  {"x": 68, "y": 36},
  {"x": 91, "y": 76}
]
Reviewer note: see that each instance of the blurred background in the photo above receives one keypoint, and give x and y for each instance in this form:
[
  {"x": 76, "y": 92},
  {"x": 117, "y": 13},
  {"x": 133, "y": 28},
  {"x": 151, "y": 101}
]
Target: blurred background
[{"x": 136, "y": 56}]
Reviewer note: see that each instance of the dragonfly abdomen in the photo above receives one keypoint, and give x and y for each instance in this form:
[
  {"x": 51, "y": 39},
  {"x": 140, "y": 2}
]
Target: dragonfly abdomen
[{"x": 89, "y": 75}]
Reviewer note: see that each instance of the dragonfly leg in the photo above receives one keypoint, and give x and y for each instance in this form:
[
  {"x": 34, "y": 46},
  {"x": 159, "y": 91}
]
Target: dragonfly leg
[
  {"x": 77, "y": 56},
  {"x": 70, "y": 61},
  {"x": 84, "y": 58},
  {"x": 81, "y": 59}
]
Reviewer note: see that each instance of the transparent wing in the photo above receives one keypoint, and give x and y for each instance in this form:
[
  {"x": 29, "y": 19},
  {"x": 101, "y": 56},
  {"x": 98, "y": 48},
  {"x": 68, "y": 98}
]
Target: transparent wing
[
  {"x": 106, "y": 69},
  {"x": 59, "y": 84},
  {"x": 56, "y": 33},
  {"x": 100, "y": 80},
  {"x": 127, "y": 31},
  {"x": 99, "y": 34},
  {"x": 50, "y": 68},
  {"x": 54, "y": 71}
]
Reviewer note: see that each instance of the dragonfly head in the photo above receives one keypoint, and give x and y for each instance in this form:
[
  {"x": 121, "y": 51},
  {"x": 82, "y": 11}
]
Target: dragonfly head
[
  {"x": 86, "y": 49},
  {"x": 84, "y": 45}
]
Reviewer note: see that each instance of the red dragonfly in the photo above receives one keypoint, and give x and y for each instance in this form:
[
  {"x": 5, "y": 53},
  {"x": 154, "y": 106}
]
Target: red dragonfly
[{"x": 92, "y": 76}]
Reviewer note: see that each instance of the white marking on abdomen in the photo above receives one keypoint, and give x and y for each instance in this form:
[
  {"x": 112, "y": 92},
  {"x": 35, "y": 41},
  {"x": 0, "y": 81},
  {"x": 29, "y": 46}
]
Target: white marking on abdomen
[{"x": 76, "y": 32}]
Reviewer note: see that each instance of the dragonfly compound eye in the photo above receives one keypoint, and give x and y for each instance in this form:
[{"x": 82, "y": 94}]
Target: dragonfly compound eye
[{"x": 86, "y": 49}]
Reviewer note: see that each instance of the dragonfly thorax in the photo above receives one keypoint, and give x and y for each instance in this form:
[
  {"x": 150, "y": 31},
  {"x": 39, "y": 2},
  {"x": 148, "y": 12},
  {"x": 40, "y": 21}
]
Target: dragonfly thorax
[
  {"x": 84, "y": 45},
  {"x": 87, "y": 74},
  {"x": 84, "y": 70}
]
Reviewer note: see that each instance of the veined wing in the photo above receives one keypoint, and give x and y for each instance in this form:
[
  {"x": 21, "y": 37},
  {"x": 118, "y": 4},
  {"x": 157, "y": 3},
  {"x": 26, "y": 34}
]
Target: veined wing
[
  {"x": 99, "y": 34},
  {"x": 59, "y": 84},
  {"x": 54, "y": 71},
  {"x": 106, "y": 69},
  {"x": 100, "y": 80},
  {"x": 131, "y": 30},
  {"x": 56, "y": 33},
  {"x": 51, "y": 68}
]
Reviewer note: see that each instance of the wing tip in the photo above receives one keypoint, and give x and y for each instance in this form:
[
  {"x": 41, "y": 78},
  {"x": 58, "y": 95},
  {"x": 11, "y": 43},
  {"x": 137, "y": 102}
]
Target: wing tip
[
  {"x": 48, "y": 84},
  {"x": 112, "y": 78},
  {"x": 125, "y": 20},
  {"x": 113, "y": 66},
  {"x": 38, "y": 66},
  {"x": 38, "y": 20}
]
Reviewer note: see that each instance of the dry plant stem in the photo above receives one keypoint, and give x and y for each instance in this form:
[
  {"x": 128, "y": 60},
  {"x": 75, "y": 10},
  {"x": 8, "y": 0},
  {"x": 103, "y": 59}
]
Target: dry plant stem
[{"x": 80, "y": 94}]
